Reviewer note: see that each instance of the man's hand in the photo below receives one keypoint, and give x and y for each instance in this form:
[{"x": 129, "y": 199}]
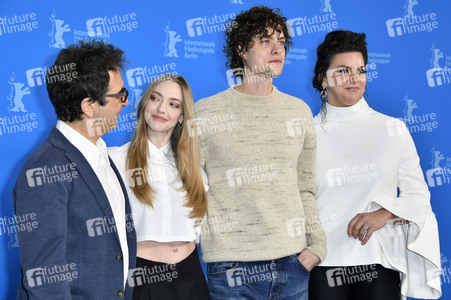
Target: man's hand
[{"x": 308, "y": 259}]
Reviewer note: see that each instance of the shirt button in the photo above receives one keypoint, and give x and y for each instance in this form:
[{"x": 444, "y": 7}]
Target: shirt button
[
  {"x": 120, "y": 293},
  {"x": 119, "y": 257}
]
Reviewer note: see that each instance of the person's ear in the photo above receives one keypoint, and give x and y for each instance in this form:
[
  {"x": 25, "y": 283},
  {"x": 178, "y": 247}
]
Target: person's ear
[
  {"x": 88, "y": 107},
  {"x": 323, "y": 79},
  {"x": 181, "y": 120}
]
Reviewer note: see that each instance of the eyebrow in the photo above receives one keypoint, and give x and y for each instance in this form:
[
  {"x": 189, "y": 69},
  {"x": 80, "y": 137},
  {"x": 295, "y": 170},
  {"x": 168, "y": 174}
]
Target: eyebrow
[{"x": 159, "y": 94}]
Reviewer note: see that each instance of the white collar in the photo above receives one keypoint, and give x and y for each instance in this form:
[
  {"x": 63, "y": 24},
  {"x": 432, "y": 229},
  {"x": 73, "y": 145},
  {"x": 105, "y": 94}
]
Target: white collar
[
  {"x": 164, "y": 152},
  {"x": 90, "y": 151},
  {"x": 349, "y": 112}
]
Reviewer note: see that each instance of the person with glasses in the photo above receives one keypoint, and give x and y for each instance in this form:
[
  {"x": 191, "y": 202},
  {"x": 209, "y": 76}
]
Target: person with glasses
[
  {"x": 167, "y": 191},
  {"x": 84, "y": 243},
  {"x": 382, "y": 234}
]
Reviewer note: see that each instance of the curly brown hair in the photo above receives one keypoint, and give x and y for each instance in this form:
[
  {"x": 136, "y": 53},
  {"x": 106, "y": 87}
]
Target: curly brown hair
[{"x": 255, "y": 22}]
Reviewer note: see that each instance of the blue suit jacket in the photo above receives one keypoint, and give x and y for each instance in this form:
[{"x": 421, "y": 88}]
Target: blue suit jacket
[{"x": 73, "y": 250}]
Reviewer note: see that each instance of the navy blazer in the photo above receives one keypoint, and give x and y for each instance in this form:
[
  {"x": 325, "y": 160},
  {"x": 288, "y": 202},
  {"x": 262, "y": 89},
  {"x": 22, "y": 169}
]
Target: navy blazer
[{"x": 73, "y": 252}]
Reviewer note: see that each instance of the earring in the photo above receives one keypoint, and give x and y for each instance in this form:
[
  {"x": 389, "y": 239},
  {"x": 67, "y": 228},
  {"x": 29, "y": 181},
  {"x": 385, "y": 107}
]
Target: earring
[
  {"x": 181, "y": 125},
  {"x": 323, "y": 94}
]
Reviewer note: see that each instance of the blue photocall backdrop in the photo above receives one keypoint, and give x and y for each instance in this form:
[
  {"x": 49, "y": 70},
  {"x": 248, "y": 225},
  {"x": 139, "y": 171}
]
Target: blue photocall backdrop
[{"x": 409, "y": 75}]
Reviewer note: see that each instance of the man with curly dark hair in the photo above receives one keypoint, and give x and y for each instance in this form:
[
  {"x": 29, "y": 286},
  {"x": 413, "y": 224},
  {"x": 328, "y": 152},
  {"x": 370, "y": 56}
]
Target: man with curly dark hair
[
  {"x": 262, "y": 234},
  {"x": 84, "y": 242}
]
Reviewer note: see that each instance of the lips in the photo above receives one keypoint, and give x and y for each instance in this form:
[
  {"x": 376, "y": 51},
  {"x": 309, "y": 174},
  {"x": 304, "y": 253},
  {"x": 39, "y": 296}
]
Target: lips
[
  {"x": 352, "y": 89},
  {"x": 159, "y": 118}
]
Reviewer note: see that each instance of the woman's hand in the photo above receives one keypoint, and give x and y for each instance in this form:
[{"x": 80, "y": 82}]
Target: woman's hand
[{"x": 363, "y": 225}]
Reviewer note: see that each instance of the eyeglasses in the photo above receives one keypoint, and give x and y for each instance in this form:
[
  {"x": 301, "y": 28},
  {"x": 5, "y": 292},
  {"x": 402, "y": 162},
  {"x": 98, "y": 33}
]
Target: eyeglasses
[{"x": 123, "y": 94}]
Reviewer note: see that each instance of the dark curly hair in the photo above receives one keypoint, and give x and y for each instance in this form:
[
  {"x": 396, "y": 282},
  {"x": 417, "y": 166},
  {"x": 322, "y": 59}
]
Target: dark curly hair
[
  {"x": 251, "y": 23},
  {"x": 91, "y": 62},
  {"x": 338, "y": 41}
]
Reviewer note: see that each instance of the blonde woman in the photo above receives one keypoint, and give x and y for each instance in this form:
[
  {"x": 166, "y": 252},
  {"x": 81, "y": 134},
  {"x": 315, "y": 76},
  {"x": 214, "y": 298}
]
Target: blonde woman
[{"x": 167, "y": 191}]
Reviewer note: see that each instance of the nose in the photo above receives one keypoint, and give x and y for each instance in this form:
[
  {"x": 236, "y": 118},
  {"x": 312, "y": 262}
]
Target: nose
[
  {"x": 161, "y": 108},
  {"x": 277, "y": 48}
]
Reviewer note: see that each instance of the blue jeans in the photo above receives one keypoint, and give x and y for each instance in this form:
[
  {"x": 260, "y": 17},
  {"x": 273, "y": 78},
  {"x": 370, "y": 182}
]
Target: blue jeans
[{"x": 284, "y": 278}]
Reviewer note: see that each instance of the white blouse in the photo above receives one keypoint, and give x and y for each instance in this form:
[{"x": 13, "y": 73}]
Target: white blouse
[
  {"x": 168, "y": 221},
  {"x": 363, "y": 158}
]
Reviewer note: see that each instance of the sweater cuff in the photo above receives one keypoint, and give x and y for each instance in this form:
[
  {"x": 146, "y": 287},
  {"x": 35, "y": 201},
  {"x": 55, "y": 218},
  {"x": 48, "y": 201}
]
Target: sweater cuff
[{"x": 318, "y": 246}]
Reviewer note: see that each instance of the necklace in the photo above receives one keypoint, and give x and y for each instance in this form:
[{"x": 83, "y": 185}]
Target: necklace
[{"x": 175, "y": 249}]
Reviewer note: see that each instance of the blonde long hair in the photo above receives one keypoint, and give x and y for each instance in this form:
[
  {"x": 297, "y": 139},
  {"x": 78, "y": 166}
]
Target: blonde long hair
[{"x": 184, "y": 147}]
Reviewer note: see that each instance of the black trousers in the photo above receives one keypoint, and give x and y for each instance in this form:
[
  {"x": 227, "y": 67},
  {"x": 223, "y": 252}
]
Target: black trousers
[
  {"x": 184, "y": 280},
  {"x": 366, "y": 282}
]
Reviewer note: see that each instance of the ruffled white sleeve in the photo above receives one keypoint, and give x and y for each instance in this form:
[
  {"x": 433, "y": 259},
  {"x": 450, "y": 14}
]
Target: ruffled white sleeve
[{"x": 412, "y": 248}]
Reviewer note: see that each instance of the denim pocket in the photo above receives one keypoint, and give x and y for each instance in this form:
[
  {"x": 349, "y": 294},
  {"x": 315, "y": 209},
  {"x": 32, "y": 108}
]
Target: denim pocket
[
  {"x": 221, "y": 268},
  {"x": 295, "y": 257}
]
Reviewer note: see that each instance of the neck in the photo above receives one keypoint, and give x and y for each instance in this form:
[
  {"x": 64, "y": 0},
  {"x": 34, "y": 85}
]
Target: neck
[
  {"x": 158, "y": 139},
  {"x": 82, "y": 128},
  {"x": 257, "y": 88}
]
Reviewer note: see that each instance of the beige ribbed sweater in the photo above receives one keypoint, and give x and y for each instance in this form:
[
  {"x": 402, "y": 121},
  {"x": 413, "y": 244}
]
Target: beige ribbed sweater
[{"x": 259, "y": 153}]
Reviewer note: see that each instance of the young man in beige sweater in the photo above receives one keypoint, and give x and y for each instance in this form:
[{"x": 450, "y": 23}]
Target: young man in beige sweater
[{"x": 262, "y": 234}]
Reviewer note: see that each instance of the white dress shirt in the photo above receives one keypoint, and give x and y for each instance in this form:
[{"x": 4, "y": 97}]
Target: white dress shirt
[
  {"x": 363, "y": 158},
  {"x": 168, "y": 221},
  {"x": 97, "y": 157}
]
